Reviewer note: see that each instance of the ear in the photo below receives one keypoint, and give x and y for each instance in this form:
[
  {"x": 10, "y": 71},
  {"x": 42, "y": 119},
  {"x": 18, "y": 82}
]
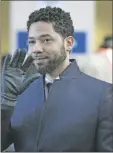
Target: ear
[{"x": 69, "y": 42}]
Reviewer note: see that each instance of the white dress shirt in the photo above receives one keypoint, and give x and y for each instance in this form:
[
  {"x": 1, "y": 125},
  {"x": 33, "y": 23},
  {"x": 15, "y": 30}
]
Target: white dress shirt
[{"x": 49, "y": 79}]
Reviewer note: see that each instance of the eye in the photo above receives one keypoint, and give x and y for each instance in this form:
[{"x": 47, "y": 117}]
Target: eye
[
  {"x": 47, "y": 40},
  {"x": 31, "y": 42}
]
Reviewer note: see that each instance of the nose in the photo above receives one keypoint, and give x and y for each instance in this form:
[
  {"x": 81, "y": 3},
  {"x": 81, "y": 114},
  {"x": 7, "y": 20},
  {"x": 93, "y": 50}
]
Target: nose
[{"x": 37, "y": 48}]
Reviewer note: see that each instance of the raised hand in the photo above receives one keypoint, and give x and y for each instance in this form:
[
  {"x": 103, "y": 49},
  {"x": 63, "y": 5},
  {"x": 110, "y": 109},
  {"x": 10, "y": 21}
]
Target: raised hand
[{"x": 14, "y": 78}]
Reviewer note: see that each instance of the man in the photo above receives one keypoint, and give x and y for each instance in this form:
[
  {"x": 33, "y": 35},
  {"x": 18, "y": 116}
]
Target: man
[
  {"x": 106, "y": 44},
  {"x": 75, "y": 113},
  {"x": 98, "y": 64}
]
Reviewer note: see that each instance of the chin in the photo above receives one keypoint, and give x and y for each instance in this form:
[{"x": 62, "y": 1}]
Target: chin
[{"x": 42, "y": 69}]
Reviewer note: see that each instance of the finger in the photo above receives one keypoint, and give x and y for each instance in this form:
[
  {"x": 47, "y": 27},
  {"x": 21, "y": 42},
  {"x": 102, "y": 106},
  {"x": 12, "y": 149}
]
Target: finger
[
  {"x": 15, "y": 58},
  {"x": 6, "y": 62},
  {"x": 27, "y": 63},
  {"x": 21, "y": 57},
  {"x": 31, "y": 70}
]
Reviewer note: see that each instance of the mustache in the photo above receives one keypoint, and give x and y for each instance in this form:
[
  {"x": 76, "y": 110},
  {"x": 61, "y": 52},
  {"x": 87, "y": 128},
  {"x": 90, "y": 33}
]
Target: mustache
[{"x": 38, "y": 56}]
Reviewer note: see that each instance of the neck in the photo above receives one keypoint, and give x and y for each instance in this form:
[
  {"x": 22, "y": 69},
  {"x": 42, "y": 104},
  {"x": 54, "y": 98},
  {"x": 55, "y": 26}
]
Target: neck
[{"x": 60, "y": 69}]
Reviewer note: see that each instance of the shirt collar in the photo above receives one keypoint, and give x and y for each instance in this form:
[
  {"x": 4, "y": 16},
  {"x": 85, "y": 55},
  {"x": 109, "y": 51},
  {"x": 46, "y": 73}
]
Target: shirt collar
[
  {"x": 72, "y": 71},
  {"x": 50, "y": 79}
]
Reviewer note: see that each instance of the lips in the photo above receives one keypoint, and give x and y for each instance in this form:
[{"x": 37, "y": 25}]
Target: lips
[{"x": 39, "y": 58}]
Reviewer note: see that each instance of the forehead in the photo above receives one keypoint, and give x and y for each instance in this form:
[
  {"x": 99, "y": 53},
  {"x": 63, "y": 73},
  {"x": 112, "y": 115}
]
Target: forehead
[{"x": 41, "y": 28}]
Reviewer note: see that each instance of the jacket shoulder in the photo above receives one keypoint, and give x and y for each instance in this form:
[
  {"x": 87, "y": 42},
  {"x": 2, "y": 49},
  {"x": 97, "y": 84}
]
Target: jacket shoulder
[{"x": 94, "y": 84}]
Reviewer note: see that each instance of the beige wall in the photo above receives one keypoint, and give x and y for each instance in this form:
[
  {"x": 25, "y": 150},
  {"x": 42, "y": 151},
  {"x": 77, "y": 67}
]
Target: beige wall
[
  {"x": 103, "y": 21},
  {"x": 103, "y": 24},
  {"x": 4, "y": 26}
]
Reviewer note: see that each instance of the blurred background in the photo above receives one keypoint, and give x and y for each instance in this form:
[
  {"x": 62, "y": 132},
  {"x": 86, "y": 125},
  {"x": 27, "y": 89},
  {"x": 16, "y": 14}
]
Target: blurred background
[{"x": 93, "y": 31}]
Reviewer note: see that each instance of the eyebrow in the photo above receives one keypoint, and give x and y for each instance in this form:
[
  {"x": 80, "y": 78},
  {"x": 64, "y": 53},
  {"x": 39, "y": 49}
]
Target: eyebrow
[{"x": 41, "y": 36}]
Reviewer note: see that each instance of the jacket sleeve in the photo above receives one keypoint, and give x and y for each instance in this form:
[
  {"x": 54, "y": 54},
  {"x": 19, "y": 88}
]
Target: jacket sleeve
[
  {"x": 6, "y": 132},
  {"x": 104, "y": 141}
]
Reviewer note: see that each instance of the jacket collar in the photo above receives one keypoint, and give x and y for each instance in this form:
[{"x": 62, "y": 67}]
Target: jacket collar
[{"x": 72, "y": 71}]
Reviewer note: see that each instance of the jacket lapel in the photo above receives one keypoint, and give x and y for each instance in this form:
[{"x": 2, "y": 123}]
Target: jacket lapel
[
  {"x": 63, "y": 85},
  {"x": 72, "y": 71}
]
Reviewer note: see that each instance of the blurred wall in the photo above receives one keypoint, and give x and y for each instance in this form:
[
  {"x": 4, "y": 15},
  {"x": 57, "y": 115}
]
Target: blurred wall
[
  {"x": 83, "y": 22},
  {"x": 103, "y": 23}
]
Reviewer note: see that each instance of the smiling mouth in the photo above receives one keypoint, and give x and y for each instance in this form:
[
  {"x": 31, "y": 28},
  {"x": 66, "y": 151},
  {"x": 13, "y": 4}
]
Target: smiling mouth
[{"x": 39, "y": 58}]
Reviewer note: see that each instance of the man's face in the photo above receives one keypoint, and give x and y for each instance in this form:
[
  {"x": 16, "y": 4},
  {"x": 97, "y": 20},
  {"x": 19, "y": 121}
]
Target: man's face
[{"x": 46, "y": 46}]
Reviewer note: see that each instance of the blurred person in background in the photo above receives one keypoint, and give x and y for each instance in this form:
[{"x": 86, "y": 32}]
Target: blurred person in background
[
  {"x": 98, "y": 64},
  {"x": 107, "y": 44},
  {"x": 58, "y": 108}
]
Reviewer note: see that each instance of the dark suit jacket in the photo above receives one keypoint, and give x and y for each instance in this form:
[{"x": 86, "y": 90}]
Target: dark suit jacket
[{"x": 77, "y": 116}]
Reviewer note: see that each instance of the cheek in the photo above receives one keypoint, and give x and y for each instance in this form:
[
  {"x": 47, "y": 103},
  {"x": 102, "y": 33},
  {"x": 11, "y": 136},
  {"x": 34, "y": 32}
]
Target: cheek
[
  {"x": 49, "y": 46},
  {"x": 50, "y": 49}
]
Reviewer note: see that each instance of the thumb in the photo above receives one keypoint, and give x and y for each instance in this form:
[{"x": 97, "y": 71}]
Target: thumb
[{"x": 31, "y": 70}]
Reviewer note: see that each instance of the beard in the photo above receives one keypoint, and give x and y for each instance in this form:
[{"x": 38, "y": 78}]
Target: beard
[{"x": 52, "y": 63}]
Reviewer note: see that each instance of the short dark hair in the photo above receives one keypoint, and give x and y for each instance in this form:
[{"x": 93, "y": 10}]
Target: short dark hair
[{"x": 60, "y": 19}]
